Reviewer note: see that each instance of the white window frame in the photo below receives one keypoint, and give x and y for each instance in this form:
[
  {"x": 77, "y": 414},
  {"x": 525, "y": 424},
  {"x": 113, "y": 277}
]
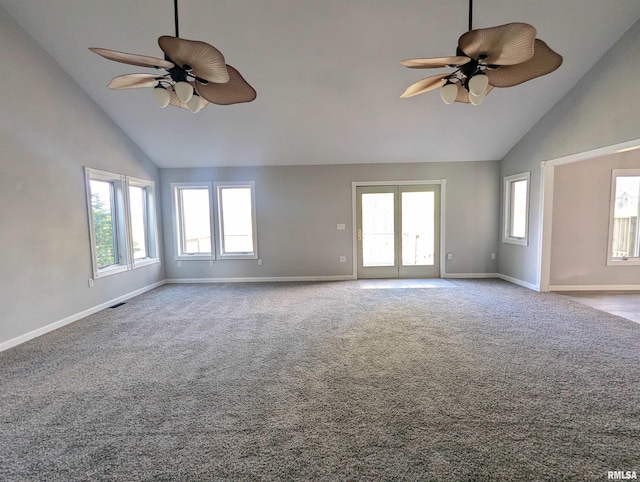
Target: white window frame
[
  {"x": 122, "y": 222},
  {"x": 179, "y": 255},
  {"x": 611, "y": 261},
  {"x": 507, "y": 201},
  {"x": 220, "y": 254},
  {"x": 151, "y": 222}
]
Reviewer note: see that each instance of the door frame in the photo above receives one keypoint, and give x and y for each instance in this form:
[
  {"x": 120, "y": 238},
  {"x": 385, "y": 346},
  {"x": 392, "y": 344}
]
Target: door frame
[{"x": 354, "y": 241}]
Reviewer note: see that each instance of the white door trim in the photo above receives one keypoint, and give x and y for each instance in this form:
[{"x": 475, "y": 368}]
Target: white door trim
[{"x": 546, "y": 201}]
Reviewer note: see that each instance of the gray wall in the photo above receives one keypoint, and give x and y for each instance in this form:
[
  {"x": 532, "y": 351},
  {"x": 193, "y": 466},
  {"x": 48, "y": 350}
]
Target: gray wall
[
  {"x": 601, "y": 110},
  {"x": 581, "y": 200},
  {"x": 298, "y": 208},
  {"x": 49, "y": 130}
]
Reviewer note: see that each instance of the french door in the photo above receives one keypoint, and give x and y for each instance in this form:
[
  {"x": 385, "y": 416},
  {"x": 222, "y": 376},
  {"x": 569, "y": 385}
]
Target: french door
[{"x": 398, "y": 231}]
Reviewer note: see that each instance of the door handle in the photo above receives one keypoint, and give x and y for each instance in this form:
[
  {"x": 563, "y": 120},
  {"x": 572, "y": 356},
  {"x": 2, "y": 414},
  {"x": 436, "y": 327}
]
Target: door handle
[{"x": 359, "y": 234}]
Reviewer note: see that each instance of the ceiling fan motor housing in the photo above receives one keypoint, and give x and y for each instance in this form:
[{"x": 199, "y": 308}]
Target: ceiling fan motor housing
[{"x": 178, "y": 74}]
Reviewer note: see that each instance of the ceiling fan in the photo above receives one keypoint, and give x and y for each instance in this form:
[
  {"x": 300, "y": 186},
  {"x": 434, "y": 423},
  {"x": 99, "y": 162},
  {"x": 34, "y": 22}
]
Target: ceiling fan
[
  {"x": 502, "y": 56},
  {"x": 196, "y": 74}
]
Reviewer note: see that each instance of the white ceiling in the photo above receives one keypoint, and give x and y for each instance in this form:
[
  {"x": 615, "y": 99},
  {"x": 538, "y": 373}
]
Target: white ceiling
[{"x": 327, "y": 74}]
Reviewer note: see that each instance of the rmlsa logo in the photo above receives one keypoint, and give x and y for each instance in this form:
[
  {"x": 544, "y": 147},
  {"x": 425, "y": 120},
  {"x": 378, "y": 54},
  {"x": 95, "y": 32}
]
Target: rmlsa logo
[{"x": 622, "y": 475}]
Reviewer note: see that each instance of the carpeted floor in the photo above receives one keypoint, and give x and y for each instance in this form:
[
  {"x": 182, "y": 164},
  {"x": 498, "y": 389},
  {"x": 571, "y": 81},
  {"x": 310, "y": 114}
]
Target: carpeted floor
[{"x": 481, "y": 380}]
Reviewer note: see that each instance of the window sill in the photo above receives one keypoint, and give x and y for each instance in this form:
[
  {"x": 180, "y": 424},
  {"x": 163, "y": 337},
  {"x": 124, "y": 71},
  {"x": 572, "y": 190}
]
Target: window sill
[
  {"x": 624, "y": 262},
  {"x": 194, "y": 257},
  {"x": 223, "y": 257},
  {"x": 519, "y": 241},
  {"x": 110, "y": 271},
  {"x": 145, "y": 262}
]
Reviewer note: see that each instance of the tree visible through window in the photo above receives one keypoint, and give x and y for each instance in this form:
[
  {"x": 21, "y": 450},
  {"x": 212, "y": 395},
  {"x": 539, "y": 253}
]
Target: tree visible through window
[
  {"x": 102, "y": 207},
  {"x": 137, "y": 208},
  {"x": 122, "y": 222}
]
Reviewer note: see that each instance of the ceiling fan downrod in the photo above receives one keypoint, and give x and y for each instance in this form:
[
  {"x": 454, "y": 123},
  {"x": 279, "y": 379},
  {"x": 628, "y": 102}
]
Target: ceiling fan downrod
[
  {"x": 180, "y": 77},
  {"x": 175, "y": 16}
]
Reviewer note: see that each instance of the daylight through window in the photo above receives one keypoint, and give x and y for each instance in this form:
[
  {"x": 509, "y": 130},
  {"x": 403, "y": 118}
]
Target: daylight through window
[
  {"x": 624, "y": 235},
  {"x": 220, "y": 226},
  {"x": 236, "y": 220},
  {"x": 104, "y": 227},
  {"x": 122, "y": 222},
  {"x": 516, "y": 208}
]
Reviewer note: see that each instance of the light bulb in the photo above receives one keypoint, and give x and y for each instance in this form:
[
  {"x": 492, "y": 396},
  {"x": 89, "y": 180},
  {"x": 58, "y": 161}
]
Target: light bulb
[
  {"x": 194, "y": 103},
  {"x": 184, "y": 90},
  {"x": 476, "y": 99},
  {"x": 449, "y": 92},
  {"x": 478, "y": 84},
  {"x": 161, "y": 96}
]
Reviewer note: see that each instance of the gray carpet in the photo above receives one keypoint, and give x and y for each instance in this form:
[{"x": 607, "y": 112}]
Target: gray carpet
[{"x": 326, "y": 381}]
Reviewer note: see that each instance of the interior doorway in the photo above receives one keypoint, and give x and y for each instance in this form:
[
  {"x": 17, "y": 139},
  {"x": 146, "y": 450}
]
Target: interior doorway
[{"x": 398, "y": 231}]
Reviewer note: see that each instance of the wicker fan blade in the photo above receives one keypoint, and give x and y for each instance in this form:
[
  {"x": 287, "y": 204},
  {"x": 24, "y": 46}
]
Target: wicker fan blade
[
  {"x": 435, "y": 62},
  {"x": 206, "y": 61},
  {"x": 134, "y": 81},
  {"x": 133, "y": 59},
  {"x": 463, "y": 94},
  {"x": 543, "y": 62},
  {"x": 236, "y": 91},
  {"x": 503, "y": 45},
  {"x": 425, "y": 85},
  {"x": 173, "y": 100}
]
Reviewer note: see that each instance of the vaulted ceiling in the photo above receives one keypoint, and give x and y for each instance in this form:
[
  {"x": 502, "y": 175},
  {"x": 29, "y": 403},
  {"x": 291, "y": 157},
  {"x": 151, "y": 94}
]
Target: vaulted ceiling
[{"x": 327, "y": 74}]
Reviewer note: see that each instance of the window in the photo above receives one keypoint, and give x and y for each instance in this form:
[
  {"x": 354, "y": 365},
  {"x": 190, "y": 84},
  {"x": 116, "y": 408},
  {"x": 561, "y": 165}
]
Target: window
[
  {"x": 624, "y": 228},
  {"x": 137, "y": 205},
  {"x": 121, "y": 221},
  {"x": 142, "y": 218},
  {"x": 236, "y": 222},
  {"x": 192, "y": 214},
  {"x": 231, "y": 213},
  {"x": 516, "y": 209}
]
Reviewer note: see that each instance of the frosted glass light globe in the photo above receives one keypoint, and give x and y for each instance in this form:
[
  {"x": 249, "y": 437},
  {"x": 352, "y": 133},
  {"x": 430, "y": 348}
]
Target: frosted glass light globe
[
  {"x": 478, "y": 84},
  {"x": 161, "y": 96},
  {"x": 476, "y": 99},
  {"x": 194, "y": 103},
  {"x": 184, "y": 91},
  {"x": 449, "y": 92}
]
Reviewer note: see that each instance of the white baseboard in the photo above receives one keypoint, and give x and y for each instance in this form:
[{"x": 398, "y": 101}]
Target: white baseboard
[
  {"x": 261, "y": 279},
  {"x": 503, "y": 277},
  {"x": 5, "y": 345},
  {"x": 470, "y": 275},
  {"x": 594, "y": 287},
  {"x": 519, "y": 282}
]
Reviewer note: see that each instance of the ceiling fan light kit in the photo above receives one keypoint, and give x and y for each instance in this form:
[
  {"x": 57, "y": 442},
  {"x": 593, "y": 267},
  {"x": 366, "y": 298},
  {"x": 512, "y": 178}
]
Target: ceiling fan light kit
[
  {"x": 502, "y": 56},
  {"x": 196, "y": 74},
  {"x": 184, "y": 90},
  {"x": 449, "y": 92},
  {"x": 195, "y": 103},
  {"x": 161, "y": 96}
]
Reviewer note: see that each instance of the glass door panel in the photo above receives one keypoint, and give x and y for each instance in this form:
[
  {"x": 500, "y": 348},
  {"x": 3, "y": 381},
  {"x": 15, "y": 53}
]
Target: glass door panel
[
  {"x": 417, "y": 228},
  {"x": 420, "y": 228},
  {"x": 378, "y": 229}
]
